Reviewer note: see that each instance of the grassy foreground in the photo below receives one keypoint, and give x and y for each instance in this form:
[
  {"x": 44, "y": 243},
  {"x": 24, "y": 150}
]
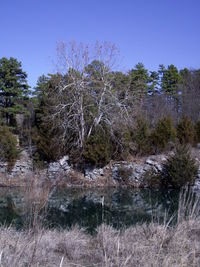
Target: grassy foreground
[
  {"x": 152, "y": 245},
  {"x": 140, "y": 245}
]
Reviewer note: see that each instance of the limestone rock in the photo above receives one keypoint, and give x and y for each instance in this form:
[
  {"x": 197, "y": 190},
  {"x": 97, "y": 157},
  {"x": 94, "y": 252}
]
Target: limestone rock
[
  {"x": 94, "y": 174},
  {"x": 59, "y": 167}
]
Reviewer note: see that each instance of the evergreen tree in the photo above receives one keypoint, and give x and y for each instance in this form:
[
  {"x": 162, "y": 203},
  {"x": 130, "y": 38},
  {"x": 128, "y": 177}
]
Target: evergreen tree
[
  {"x": 39, "y": 98},
  {"x": 179, "y": 169},
  {"x": 139, "y": 79},
  {"x": 120, "y": 83},
  {"x": 13, "y": 89},
  {"x": 40, "y": 86},
  {"x": 153, "y": 86},
  {"x": 170, "y": 80}
]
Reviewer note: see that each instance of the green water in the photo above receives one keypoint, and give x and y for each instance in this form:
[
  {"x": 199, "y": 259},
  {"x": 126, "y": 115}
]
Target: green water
[{"x": 68, "y": 207}]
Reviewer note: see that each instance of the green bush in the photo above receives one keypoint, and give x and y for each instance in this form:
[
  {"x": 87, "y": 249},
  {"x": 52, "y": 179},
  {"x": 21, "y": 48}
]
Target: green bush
[
  {"x": 8, "y": 146},
  {"x": 197, "y": 131},
  {"x": 47, "y": 144},
  {"x": 125, "y": 141},
  {"x": 122, "y": 142},
  {"x": 141, "y": 137},
  {"x": 98, "y": 149},
  {"x": 124, "y": 173},
  {"x": 180, "y": 168},
  {"x": 151, "y": 179},
  {"x": 185, "y": 131},
  {"x": 163, "y": 133}
]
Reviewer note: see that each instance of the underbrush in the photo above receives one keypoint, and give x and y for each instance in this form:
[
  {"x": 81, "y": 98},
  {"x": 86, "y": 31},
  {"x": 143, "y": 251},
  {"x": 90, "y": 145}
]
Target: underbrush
[
  {"x": 8, "y": 147},
  {"x": 141, "y": 245}
]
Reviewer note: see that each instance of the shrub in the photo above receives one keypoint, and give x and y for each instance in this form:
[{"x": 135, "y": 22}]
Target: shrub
[
  {"x": 8, "y": 146},
  {"x": 141, "y": 137},
  {"x": 98, "y": 149},
  {"x": 185, "y": 131},
  {"x": 197, "y": 131},
  {"x": 163, "y": 133},
  {"x": 126, "y": 143},
  {"x": 124, "y": 173},
  {"x": 151, "y": 179},
  {"x": 180, "y": 168},
  {"x": 122, "y": 142},
  {"x": 47, "y": 143}
]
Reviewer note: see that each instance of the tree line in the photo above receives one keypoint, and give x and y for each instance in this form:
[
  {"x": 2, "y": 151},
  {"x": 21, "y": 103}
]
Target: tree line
[{"x": 94, "y": 113}]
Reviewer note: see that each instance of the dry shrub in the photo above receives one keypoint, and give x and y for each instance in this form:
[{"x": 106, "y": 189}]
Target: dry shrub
[
  {"x": 140, "y": 245},
  {"x": 36, "y": 196},
  {"x": 46, "y": 248}
]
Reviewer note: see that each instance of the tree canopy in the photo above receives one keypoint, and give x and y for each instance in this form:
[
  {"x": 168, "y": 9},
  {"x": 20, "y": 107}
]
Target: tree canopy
[{"x": 13, "y": 89}]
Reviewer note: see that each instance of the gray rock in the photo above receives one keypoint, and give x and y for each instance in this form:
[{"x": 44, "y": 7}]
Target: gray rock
[
  {"x": 163, "y": 158},
  {"x": 158, "y": 167},
  {"x": 22, "y": 166},
  {"x": 59, "y": 167},
  {"x": 64, "y": 161},
  {"x": 54, "y": 167},
  {"x": 94, "y": 174},
  {"x": 150, "y": 162},
  {"x": 146, "y": 167}
]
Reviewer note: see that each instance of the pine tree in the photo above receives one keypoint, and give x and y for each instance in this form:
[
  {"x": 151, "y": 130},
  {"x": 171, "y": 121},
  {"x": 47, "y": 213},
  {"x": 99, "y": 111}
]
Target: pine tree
[{"x": 13, "y": 89}]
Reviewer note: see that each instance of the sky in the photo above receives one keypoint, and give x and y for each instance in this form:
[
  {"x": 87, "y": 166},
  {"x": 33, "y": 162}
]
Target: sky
[{"x": 149, "y": 31}]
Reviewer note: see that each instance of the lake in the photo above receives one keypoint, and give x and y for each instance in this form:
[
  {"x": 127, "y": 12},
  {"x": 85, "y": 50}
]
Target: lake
[{"x": 88, "y": 208}]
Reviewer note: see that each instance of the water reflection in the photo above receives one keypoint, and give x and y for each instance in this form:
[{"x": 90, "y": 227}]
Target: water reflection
[{"x": 67, "y": 207}]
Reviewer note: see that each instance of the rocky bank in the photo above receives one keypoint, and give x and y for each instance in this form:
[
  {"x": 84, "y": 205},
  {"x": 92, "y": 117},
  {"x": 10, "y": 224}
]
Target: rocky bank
[{"x": 118, "y": 173}]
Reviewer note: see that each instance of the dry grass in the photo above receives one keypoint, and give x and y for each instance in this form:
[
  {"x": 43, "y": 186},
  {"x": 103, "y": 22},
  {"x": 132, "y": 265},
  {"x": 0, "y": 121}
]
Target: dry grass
[
  {"x": 145, "y": 245},
  {"x": 35, "y": 195},
  {"x": 140, "y": 245}
]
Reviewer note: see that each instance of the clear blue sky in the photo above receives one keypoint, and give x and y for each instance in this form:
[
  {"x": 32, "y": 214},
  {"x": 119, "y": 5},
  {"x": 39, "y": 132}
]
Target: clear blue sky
[{"x": 147, "y": 31}]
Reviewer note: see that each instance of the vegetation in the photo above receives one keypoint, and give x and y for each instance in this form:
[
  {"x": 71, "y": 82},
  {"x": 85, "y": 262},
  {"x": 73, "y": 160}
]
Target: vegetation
[
  {"x": 151, "y": 179},
  {"x": 98, "y": 149},
  {"x": 180, "y": 169},
  {"x": 13, "y": 89},
  {"x": 185, "y": 131},
  {"x": 8, "y": 146},
  {"x": 197, "y": 131},
  {"x": 142, "y": 137},
  {"x": 95, "y": 114},
  {"x": 124, "y": 173},
  {"x": 163, "y": 133}
]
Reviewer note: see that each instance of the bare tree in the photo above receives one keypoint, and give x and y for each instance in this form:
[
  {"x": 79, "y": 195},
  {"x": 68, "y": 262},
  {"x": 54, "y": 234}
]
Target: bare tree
[{"x": 85, "y": 98}]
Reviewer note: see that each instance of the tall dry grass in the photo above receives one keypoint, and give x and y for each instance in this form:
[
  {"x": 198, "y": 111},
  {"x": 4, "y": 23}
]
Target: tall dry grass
[
  {"x": 35, "y": 202},
  {"x": 141, "y": 245}
]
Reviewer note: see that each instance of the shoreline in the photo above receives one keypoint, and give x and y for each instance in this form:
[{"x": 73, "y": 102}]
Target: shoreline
[{"x": 133, "y": 173}]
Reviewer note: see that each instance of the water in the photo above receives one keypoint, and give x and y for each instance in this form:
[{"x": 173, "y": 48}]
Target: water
[{"x": 68, "y": 207}]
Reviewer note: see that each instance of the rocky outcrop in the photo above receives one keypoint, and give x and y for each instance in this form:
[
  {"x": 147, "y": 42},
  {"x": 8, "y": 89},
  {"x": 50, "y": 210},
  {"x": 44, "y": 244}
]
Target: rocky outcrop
[
  {"x": 116, "y": 173},
  {"x": 21, "y": 168},
  {"x": 58, "y": 168},
  {"x": 94, "y": 174},
  {"x": 24, "y": 167},
  {"x": 132, "y": 172}
]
